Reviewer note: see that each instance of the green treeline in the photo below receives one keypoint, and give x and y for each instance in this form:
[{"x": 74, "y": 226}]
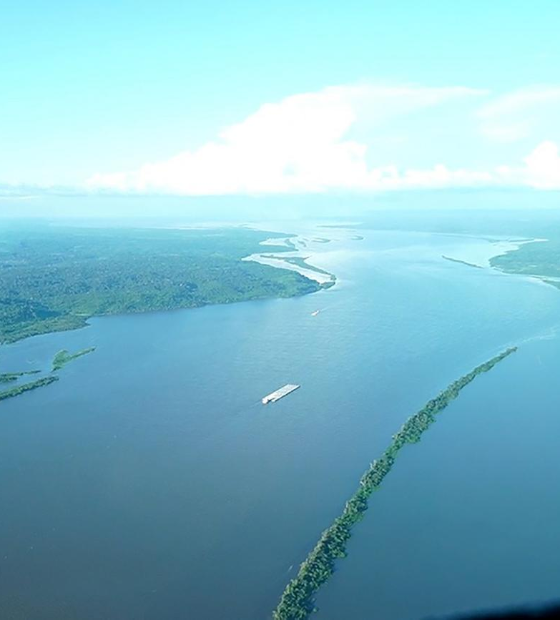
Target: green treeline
[
  {"x": 26, "y": 387},
  {"x": 63, "y": 357},
  {"x": 297, "y": 600},
  {"x": 9, "y": 377},
  {"x": 55, "y": 278}
]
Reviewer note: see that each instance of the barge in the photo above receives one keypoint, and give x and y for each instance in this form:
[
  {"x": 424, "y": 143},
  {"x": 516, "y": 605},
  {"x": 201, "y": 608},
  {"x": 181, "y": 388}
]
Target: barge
[{"x": 278, "y": 394}]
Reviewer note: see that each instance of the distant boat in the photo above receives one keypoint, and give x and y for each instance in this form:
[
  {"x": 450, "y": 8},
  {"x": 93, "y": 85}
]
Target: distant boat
[{"x": 315, "y": 313}]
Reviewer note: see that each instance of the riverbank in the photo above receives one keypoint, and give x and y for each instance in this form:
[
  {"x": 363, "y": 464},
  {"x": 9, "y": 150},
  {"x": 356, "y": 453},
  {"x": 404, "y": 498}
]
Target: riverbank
[
  {"x": 128, "y": 271},
  {"x": 484, "y": 255},
  {"x": 294, "y": 260}
]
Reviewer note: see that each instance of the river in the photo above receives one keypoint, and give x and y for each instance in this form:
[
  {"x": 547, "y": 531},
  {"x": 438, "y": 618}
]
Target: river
[{"x": 150, "y": 482}]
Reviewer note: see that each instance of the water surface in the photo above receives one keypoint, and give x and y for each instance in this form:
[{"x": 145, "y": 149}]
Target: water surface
[{"x": 150, "y": 482}]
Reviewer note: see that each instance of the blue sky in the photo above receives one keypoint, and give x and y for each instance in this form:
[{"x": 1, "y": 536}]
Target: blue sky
[{"x": 244, "y": 97}]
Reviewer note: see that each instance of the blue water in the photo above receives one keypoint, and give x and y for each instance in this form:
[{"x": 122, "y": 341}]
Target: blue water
[
  {"x": 468, "y": 519},
  {"x": 150, "y": 482}
]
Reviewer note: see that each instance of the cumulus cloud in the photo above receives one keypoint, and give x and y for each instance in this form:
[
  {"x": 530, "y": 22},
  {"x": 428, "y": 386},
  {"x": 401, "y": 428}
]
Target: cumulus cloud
[
  {"x": 300, "y": 144},
  {"x": 543, "y": 166}
]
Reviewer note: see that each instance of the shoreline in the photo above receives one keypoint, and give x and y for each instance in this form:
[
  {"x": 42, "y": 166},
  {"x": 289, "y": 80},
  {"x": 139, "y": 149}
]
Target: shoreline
[
  {"x": 495, "y": 248},
  {"x": 73, "y": 322},
  {"x": 301, "y": 246}
]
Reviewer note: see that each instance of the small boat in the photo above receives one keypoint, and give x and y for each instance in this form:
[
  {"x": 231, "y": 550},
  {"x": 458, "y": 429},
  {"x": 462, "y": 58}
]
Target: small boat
[{"x": 315, "y": 313}]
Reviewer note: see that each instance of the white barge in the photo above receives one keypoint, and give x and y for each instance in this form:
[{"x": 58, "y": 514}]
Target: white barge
[{"x": 278, "y": 394}]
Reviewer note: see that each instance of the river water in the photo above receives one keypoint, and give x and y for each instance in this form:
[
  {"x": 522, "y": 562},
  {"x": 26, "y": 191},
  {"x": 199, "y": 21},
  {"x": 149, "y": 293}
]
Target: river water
[{"x": 151, "y": 483}]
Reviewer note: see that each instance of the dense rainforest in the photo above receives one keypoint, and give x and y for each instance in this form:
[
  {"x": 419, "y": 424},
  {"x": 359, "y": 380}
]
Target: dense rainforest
[{"x": 54, "y": 278}]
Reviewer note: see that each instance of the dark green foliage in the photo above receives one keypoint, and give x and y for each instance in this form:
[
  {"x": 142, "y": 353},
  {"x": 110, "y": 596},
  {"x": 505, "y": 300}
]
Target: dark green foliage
[
  {"x": 26, "y": 387},
  {"x": 10, "y": 377},
  {"x": 53, "y": 279},
  {"x": 63, "y": 357},
  {"x": 539, "y": 259},
  {"x": 297, "y": 600}
]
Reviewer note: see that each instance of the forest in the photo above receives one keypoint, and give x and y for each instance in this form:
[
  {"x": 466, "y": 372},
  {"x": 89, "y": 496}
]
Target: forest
[
  {"x": 297, "y": 600},
  {"x": 26, "y": 387},
  {"x": 64, "y": 357},
  {"x": 541, "y": 258},
  {"x": 12, "y": 377},
  {"x": 54, "y": 278}
]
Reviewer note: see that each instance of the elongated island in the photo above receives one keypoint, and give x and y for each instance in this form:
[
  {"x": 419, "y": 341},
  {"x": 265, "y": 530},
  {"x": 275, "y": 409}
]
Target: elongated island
[{"x": 297, "y": 602}]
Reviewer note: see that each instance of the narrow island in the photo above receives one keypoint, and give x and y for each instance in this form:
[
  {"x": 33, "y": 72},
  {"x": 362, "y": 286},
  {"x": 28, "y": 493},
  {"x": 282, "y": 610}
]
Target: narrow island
[
  {"x": 26, "y": 387},
  {"x": 297, "y": 602},
  {"x": 301, "y": 261},
  {"x": 10, "y": 377},
  {"x": 461, "y": 262},
  {"x": 63, "y": 357}
]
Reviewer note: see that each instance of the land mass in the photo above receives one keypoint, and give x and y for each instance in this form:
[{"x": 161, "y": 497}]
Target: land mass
[
  {"x": 297, "y": 600},
  {"x": 540, "y": 260},
  {"x": 63, "y": 357},
  {"x": 10, "y": 377},
  {"x": 301, "y": 261},
  {"x": 55, "y": 278},
  {"x": 26, "y": 387}
]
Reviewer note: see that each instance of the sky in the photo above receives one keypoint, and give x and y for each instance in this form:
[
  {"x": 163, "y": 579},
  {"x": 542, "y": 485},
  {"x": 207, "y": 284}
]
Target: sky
[{"x": 253, "y": 98}]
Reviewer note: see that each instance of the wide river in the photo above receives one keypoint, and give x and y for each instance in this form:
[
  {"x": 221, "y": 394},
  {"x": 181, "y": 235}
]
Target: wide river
[{"x": 151, "y": 483}]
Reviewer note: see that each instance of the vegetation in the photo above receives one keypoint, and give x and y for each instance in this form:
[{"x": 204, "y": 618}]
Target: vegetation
[
  {"x": 540, "y": 259},
  {"x": 297, "y": 600},
  {"x": 26, "y": 387},
  {"x": 55, "y": 278},
  {"x": 63, "y": 357},
  {"x": 461, "y": 262},
  {"x": 10, "y": 377}
]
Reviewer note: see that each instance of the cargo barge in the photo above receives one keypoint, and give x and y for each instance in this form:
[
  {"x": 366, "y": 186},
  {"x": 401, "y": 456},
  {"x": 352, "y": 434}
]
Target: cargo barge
[{"x": 278, "y": 394}]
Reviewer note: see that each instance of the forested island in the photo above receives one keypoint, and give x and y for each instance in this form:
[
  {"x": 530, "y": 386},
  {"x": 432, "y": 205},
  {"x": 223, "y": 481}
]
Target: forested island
[
  {"x": 296, "y": 602},
  {"x": 26, "y": 387},
  {"x": 55, "y": 278},
  {"x": 63, "y": 357},
  {"x": 60, "y": 360},
  {"x": 11, "y": 377}
]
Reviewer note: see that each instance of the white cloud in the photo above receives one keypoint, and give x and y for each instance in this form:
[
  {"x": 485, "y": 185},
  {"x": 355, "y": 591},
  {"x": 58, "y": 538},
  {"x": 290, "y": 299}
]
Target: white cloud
[
  {"x": 518, "y": 115},
  {"x": 299, "y": 144},
  {"x": 543, "y": 166}
]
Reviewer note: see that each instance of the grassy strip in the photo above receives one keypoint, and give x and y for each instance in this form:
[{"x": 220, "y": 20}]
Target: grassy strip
[
  {"x": 63, "y": 357},
  {"x": 297, "y": 600},
  {"x": 9, "y": 377},
  {"x": 26, "y": 387}
]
